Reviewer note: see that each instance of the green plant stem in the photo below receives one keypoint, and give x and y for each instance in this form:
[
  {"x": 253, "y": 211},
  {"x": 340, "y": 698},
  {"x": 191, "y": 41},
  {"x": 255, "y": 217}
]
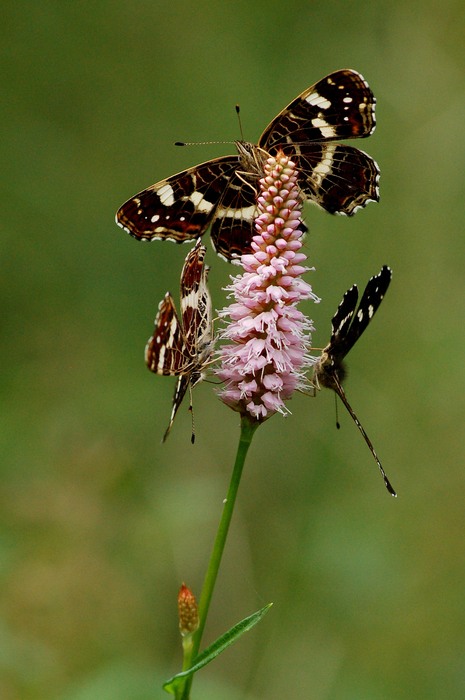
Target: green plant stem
[{"x": 247, "y": 431}]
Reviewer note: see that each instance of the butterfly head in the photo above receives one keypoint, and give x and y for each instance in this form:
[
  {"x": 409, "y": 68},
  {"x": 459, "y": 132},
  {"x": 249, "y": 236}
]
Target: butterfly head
[{"x": 252, "y": 158}]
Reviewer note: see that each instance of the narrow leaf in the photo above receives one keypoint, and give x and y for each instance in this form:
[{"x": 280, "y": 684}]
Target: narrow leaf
[{"x": 216, "y": 648}]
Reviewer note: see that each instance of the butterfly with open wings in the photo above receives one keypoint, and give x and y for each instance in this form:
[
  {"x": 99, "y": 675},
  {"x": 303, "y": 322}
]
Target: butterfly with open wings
[
  {"x": 183, "y": 347},
  {"x": 222, "y": 192},
  {"x": 348, "y": 324}
]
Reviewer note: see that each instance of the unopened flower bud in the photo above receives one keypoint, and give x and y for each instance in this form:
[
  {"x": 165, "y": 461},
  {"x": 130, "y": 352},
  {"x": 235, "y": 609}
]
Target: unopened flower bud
[{"x": 188, "y": 611}]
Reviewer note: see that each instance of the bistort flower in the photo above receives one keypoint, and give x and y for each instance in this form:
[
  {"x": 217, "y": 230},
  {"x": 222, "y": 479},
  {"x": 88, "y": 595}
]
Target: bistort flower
[{"x": 268, "y": 354}]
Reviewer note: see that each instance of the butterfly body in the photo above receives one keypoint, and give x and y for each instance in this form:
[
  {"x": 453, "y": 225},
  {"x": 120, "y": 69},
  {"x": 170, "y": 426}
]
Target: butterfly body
[
  {"x": 221, "y": 193},
  {"x": 182, "y": 346}
]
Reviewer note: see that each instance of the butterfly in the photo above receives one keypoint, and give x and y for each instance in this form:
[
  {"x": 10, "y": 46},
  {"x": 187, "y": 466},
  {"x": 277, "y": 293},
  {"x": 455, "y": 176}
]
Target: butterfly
[
  {"x": 222, "y": 193},
  {"x": 182, "y": 347},
  {"x": 348, "y": 324}
]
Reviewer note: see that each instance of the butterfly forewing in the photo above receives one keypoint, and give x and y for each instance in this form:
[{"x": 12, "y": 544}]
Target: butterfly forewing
[
  {"x": 343, "y": 317},
  {"x": 222, "y": 192},
  {"x": 181, "y": 207},
  {"x": 183, "y": 348},
  {"x": 196, "y": 307},
  {"x": 339, "y": 106},
  {"x": 369, "y": 304}
]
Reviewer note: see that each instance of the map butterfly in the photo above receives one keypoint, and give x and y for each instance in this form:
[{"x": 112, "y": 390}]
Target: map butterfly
[
  {"x": 348, "y": 324},
  {"x": 183, "y": 346},
  {"x": 221, "y": 193}
]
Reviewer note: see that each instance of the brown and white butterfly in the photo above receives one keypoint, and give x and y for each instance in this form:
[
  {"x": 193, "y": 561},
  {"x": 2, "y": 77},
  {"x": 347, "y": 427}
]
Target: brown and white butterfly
[
  {"x": 222, "y": 192},
  {"x": 182, "y": 347},
  {"x": 348, "y": 324}
]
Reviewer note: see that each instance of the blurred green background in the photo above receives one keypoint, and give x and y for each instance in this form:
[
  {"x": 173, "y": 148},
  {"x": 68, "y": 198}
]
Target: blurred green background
[{"x": 99, "y": 522}]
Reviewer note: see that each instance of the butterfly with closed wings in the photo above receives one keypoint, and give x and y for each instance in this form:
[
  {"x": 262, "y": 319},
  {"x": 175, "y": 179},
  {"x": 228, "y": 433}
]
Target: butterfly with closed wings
[
  {"x": 222, "y": 193},
  {"x": 348, "y": 324},
  {"x": 183, "y": 347}
]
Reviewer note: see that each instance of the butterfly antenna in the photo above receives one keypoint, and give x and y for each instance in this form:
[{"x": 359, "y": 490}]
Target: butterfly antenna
[
  {"x": 208, "y": 143},
  {"x": 341, "y": 393},
  {"x": 238, "y": 112},
  {"x": 336, "y": 408},
  {"x": 191, "y": 409},
  {"x": 198, "y": 143}
]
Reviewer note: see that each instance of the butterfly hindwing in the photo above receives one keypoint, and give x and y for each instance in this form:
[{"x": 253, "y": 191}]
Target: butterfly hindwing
[
  {"x": 222, "y": 192},
  {"x": 338, "y": 178},
  {"x": 182, "y": 348},
  {"x": 232, "y": 227},
  {"x": 165, "y": 350}
]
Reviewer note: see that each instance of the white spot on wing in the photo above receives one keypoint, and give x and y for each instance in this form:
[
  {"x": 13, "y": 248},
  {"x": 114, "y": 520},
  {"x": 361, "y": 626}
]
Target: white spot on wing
[
  {"x": 166, "y": 195},
  {"x": 323, "y": 168},
  {"x": 247, "y": 213},
  {"x": 161, "y": 356},
  {"x": 317, "y": 100},
  {"x": 191, "y": 300},
  {"x": 326, "y": 129},
  {"x": 200, "y": 203}
]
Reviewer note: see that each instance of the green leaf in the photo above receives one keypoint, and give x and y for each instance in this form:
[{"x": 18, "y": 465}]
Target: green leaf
[{"x": 216, "y": 648}]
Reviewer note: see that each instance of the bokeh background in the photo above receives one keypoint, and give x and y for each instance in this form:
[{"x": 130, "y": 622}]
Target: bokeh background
[{"x": 99, "y": 522}]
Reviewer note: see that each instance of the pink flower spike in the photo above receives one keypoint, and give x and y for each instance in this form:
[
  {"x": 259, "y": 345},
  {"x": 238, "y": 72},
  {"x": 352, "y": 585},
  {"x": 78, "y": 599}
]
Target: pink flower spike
[{"x": 269, "y": 338}]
